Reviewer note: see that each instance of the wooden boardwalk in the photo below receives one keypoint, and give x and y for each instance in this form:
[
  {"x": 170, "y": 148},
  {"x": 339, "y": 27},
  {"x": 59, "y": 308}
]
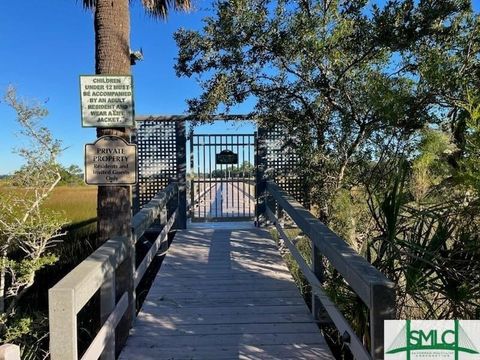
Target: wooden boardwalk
[{"x": 224, "y": 293}]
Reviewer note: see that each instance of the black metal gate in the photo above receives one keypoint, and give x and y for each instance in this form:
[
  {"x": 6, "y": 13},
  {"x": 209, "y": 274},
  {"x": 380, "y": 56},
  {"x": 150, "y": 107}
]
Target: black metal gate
[
  {"x": 222, "y": 177},
  {"x": 230, "y": 189}
]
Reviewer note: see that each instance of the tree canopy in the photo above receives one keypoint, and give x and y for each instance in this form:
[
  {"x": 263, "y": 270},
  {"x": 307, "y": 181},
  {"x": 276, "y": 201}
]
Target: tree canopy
[
  {"x": 343, "y": 75},
  {"x": 381, "y": 104}
]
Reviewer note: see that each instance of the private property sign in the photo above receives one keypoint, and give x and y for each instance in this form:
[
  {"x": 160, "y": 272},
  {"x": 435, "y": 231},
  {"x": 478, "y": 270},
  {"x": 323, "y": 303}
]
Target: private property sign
[
  {"x": 110, "y": 161},
  {"x": 107, "y": 101}
]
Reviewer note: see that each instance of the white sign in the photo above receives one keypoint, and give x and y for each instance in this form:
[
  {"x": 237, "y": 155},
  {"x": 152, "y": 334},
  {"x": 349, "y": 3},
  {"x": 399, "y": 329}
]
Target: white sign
[
  {"x": 107, "y": 101},
  {"x": 432, "y": 339},
  {"x": 110, "y": 160}
]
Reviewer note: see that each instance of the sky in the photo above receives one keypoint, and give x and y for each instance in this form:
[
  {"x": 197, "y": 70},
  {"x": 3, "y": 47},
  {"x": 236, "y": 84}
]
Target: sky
[{"x": 47, "y": 45}]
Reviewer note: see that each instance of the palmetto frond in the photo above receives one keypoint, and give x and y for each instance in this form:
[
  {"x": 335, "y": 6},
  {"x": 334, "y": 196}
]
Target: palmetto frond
[
  {"x": 156, "y": 8},
  {"x": 89, "y": 4},
  {"x": 159, "y": 8}
]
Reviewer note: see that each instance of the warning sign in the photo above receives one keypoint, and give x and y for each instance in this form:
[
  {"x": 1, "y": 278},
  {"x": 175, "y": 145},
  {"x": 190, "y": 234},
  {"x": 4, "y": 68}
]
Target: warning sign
[{"x": 107, "y": 101}]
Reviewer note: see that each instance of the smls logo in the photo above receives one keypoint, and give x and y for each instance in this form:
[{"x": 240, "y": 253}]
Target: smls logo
[{"x": 427, "y": 339}]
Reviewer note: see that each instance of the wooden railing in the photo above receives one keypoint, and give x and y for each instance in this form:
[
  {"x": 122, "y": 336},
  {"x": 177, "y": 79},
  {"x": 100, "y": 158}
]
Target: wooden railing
[
  {"x": 9, "y": 352},
  {"x": 371, "y": 286},
  {"x": 112, "y": 270}
]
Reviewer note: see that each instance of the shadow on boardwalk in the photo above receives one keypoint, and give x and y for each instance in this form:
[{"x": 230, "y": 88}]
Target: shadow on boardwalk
[{"x": 224, "y": 293}]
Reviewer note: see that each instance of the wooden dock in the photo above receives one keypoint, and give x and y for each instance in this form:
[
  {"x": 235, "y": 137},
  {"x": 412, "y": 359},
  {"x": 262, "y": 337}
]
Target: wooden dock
[{"x": 224, "y": 292}]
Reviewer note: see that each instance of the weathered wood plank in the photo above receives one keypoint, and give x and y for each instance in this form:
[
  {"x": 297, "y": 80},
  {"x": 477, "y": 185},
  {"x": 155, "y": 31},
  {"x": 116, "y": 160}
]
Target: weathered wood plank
[
  {"x": 238, "y": 275},
  {"x": 221, "y": 295},
  {"x": 218, "y": 329},
  {"x": 229, "y": 340},
  {"x": 225, "y": 310},
  {"x": 241, "y": 284},
  {"x": 209, "y": 283},
  {"x": 297, "y": 300},
  {"x": 156, "y": 317}
]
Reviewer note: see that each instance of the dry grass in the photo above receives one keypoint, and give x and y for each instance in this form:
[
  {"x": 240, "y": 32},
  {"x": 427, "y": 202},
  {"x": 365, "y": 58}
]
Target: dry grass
[{"x": 76, "y": 203}]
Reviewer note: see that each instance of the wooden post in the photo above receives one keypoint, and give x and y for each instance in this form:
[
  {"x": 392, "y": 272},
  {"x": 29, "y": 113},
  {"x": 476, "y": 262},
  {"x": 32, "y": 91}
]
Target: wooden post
[
  {"x": 279, "y": 212},
  {"x": 124, "y": 282},
  {"x": 192, "y": 180},
  {"x": 261, "y": 167},
  {"x": 270, "y": 204},
  {"x": 63, "y": 324},
  {"x": 382, "y": 308},
  {"x": 172, "y": 204},
  {"x": 136, "y": 188},
  {"x": 107, "y": 304},
  {"x": 132, "y": 294},
  {"x": 181, "y": 141},
  {"x": 9, "y": 352},
  {"x": 318, "y": 311}
]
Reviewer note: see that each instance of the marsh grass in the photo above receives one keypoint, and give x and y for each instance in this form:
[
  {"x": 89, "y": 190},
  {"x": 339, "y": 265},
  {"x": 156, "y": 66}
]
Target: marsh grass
[{"x": 75, "y": 203}]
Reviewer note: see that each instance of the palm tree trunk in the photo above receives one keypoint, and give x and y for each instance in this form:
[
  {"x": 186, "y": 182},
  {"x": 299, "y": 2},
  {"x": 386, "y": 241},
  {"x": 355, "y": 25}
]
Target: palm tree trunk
[
  {"x": 112, "y": 57},
  {"x": 112, "y": 37}
]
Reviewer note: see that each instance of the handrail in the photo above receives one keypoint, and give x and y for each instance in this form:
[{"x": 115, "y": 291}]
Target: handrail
[
  {"x": 144, "y": 218},
  {"x": 375, "y": 290},
  {"x": 98, "y": 271},
  {"x": 9, "y": 352},
  {"x": 161, "y": 238}
]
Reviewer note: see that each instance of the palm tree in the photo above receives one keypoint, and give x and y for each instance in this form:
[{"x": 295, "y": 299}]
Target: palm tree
[{"x": 112, "y": 57}]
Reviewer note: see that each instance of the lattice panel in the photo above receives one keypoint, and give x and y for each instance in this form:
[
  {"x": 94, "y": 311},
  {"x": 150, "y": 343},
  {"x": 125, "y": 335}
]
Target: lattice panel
[
  {"x": 282, "y": 163},
  {"x": 157, "y": 157}
]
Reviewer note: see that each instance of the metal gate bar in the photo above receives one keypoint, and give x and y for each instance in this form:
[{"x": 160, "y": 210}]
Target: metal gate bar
[{"x": 222, "y": 192}]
